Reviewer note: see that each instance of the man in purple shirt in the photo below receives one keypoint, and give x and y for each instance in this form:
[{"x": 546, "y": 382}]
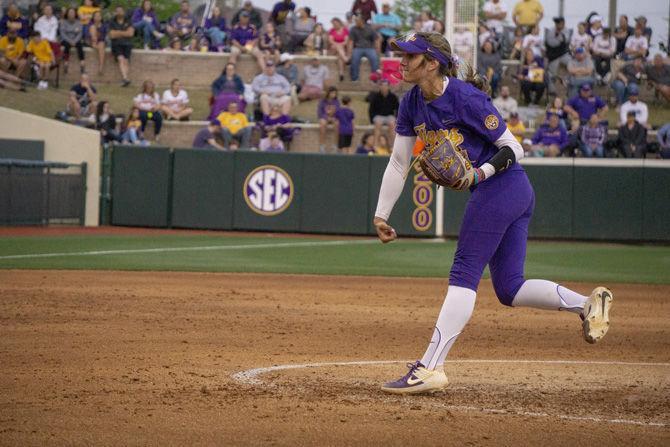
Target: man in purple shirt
[
  {"x": 585, "y": 104},
  {"x": 244, "y": 39},
  {"x": 182, "y": 24},
  {"x": 279, "y": 16},
  {"x": 550, "y": 139}
]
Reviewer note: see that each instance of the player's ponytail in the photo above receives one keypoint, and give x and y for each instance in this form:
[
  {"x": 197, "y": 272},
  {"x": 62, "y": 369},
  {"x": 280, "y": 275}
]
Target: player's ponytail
[{"x": 458, "y": 68}]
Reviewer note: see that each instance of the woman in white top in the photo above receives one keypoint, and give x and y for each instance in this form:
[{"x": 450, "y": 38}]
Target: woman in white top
[
  {"x": 47, "y": 25},
  {"x": 533, "y": 41},
  {"x": 581, "y": 38},
  {"x": 149, "y": 104},
  {"x": 175, "y": 102},
  {"x": 603, "y": 49}
]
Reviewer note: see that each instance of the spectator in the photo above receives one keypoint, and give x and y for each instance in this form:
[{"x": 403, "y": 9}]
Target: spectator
[
  {"x": 603, "y": 49},
  {"x": 132, "y": 130},
  {"x": 270, "y": 43},
  {"x": 632, "y": 137},
  {"x": 272, "y": 88},
  {"x": 383, "y": 147},
  {"x": 145, "y": 22},
  {"x": 495, "y": 13},
  {"x": 71, "y": 35},
  {"x": 658, "y": 75},
  {"x": 289, "y": 70},
  {"x": 254, "y": 15},
  {"x": 279, "y": 16},
  {"x": 215, "y": 29},
  {"x": 427, "y": 21},
  {"x": 14, "y": 21},
  {"x": 646, "y": 31},
  {"x": 244, "y": 39},
  {"x": 663, "y": 136},
  {"x": 303, "y": 25},
  {"x": 622, "y": 32},
  {"x": 463, "y": 42},
  {"x": 636, "y": 106},
  {"x": 85, "y": 13},
  {"x": 533, "y": 41},
  {"x": 105, "y": 122},
  {"x": 637, "y": 45},
  {"x": 580, "y": 70},
  {"x": 627, "y": 78},
  {"x": 149, "y": 104},
  {"x": 515, "y": 125},
  {"x": 364, "y": 8},
  {"x": 120, "y": 34},
  {"x": 556, "y": 106},
  {"x": 388, "y": 25},
  {"x": 517, "y": 48},
  {"x": 235, "y": 126},
  {"x": 505, "y": 104},
  {"x": 586, "y": 104},
  {"x": 489, "y": 65},
  {"x": 227, "y": 88},
  {"x": 593, "y": 137},
  {"x": 42, "y": 56},
  {"x": 550, "y": 138},
  {"x": 325, "y": 111},
  {"x": 82, "y": 98},
  {"x": 97, "y": 31},
  {"x": 174, "y": 103},
  {"x": 278, "y": 123},
  {"x": 527, "y": 13},
  {"x": 338, "y": 37},
  {"x": 345, "y": 125},
  {"x": 316, "y": 43},
  {"x": 47, "y": 26},
  {"x": 206, "y": 138},
  {"x": 272, "y": 143},
  {"x": 35, "y": 10},
  {"x": 383, "y": 109},
  {"x": 363, "y": 42},
  {"x": 175, "y": 44},
  {"x": 367, "y": 146},
  {"x": 12, "y": 52},
  {"x": 595, "y": 26},
  {"x": 182, "y": 24},
  {"x": 557, "y": 46},
  {"x": 315, "y": 79},
  {"x": 531, "y": 76},
  {"x": 580, "y": 39},
  {"x": 484, "y": 34}
]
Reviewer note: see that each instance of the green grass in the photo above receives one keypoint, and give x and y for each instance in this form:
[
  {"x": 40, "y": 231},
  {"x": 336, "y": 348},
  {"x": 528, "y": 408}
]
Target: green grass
[{"x": 410, "y": 257}]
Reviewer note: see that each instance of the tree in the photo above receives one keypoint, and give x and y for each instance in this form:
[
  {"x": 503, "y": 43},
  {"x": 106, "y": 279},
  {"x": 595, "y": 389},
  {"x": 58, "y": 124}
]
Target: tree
[{"x": 408, "y": 10}]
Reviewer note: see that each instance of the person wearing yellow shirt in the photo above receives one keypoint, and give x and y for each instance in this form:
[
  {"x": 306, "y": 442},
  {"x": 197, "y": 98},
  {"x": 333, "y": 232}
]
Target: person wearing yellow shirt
[
  {"x": 235, "y": 126},
  {"x": 12, "y": 49},
  {"x": 85, "y": 13},
  {"x": 43, "y": 57},
  {"x": 527, "y": 13},
  {"x": 515, "y": 125}
]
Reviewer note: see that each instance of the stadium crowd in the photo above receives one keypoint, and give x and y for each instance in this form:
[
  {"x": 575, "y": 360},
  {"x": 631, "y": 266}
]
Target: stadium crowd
[{"x": 546, "y": 62}]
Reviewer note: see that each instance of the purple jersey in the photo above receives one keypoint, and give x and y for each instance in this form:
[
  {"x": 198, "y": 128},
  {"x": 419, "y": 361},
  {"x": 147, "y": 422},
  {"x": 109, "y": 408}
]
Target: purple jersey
[
  {"x": 345, "y": 117},
  {"x": 243, "y": 34},
  {"x": 463, "y": 114}
]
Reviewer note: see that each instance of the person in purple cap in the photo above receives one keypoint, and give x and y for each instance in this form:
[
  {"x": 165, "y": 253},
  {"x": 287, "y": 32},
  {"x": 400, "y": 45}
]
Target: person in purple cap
[
  {"x": 441, "y": 106},
  {"x": 585, "y": 104}
]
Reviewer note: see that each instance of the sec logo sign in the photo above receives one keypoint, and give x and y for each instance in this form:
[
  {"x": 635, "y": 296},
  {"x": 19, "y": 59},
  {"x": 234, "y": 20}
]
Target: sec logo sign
[{"x": 268, "y": 190}]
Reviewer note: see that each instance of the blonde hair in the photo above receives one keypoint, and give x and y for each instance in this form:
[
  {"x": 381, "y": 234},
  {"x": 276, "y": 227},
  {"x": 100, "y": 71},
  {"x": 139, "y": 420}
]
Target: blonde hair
[{"x": 460, "y": 69}]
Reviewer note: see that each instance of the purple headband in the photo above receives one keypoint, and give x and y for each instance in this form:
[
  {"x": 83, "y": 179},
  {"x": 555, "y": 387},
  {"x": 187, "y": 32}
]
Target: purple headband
[{"x": 414, "y": 44}]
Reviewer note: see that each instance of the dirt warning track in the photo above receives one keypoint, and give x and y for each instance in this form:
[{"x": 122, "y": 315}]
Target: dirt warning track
[{"x": 246, "y": 359}]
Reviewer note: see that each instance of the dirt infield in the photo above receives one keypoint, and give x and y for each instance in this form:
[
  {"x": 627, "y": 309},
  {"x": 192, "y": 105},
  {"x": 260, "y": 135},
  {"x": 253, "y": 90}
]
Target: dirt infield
[{"x": 148, "y": 358}]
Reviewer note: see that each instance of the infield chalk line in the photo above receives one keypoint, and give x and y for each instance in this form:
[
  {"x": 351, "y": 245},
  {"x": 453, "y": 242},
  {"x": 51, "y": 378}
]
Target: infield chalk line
[
  {"x": 201, "y": 248},
  {"x": 250, "y": 377}
]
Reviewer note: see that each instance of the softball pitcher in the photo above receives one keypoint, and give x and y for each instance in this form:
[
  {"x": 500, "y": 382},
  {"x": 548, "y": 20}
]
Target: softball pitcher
[{"x": 468, "y": 145}]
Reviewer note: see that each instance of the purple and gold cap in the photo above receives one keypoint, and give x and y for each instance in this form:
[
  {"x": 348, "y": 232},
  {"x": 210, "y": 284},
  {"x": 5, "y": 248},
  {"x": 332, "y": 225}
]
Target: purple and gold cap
[{"x": 413, "y": 44}]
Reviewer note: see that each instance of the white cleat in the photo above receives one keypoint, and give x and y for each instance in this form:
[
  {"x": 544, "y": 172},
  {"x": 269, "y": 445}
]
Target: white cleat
[
  {"x": 596, "y": 314},
  {"x": 418, "y": 380}
]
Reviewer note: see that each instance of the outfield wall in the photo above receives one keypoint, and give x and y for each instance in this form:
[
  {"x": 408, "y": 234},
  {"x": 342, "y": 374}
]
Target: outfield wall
[
  {"x": 62, "y": 143},
  {"x": 312, "y": 193}
]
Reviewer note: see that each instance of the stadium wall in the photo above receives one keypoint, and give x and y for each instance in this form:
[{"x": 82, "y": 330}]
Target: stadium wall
[
  {"x": 626, "y": 200},
  {"x": 62, "y": 143}
]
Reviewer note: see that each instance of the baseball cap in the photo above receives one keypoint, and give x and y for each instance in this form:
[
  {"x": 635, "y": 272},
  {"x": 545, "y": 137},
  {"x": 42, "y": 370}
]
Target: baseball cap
[
  {"x": 269, "y": 63},
  {"x": 514, "y": 114},
  {"x": 585, "y": 87},
  {"x": 579, "y": 50},
  {"x": 640, "y": 18},
  {"x": 559, "y": 19},
  {"x": 215, "y": 123},
  {"x": 245, "y": 14},
  {"x": 413, "y": 44},
  {"x": 595, "y": 18},
  {"x": 633, "y": 89}
]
